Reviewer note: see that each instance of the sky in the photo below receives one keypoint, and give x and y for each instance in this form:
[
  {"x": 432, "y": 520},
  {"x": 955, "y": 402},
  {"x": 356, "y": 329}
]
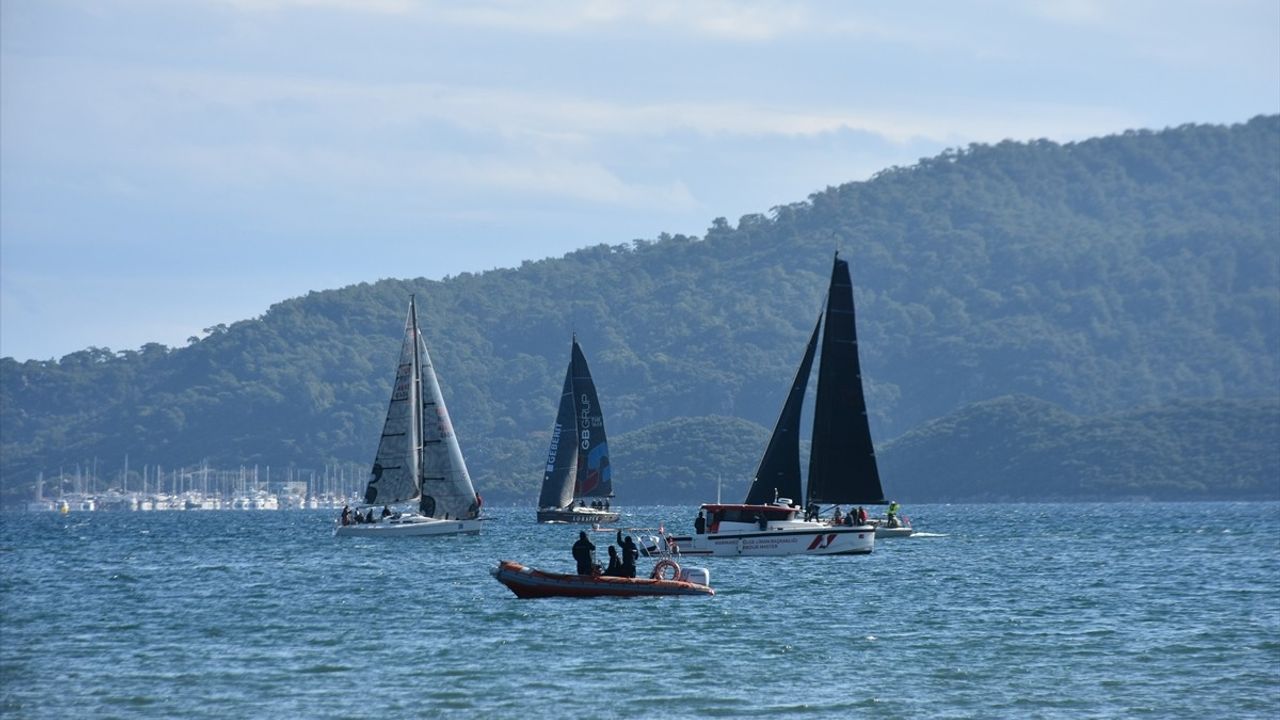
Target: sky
[{"x": 169, "y": 166}]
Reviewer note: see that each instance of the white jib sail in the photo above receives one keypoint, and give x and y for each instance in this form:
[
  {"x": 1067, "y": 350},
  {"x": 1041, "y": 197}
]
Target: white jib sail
[{"x": 446, "y": 485}]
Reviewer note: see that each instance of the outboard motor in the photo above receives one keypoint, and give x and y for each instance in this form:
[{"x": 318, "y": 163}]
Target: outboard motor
[{"x": 696, "y": 575}]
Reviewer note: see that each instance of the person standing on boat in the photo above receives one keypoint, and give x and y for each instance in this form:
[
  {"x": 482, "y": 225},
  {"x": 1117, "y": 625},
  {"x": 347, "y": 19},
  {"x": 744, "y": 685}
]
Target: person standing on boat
[
  {"x": 346, "y": 514},
  {"x": 615, "y": 565},
  {"x": 584, "y": 552},
  {"x": 892, "y": 515},
  {"x": 862, "y": 515},
  {"x": 629, "y": 555},
  {"x": 700, "y": 524}
]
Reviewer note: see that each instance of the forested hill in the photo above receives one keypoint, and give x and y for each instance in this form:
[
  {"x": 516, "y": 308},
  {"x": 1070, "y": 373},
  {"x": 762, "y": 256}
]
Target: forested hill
[{"x": 1123, "y": 271}]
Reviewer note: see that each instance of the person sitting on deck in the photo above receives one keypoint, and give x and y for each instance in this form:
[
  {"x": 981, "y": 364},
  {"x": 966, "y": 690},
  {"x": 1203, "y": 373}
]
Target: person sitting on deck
[
  {"x": 385, "y": 511},
  {"x": 615, "y": 565},
  {"x": 891, "y": 517},
  {"x": 346, "y": 514},
  {"x": 369, "y": 517},
  {"x": 862, "y": 515},
  {"x": 629, "y": 555},
  {"x": 584, "y": 552},
  {"x": 836, "y": 516},
  {"x": 700, "y": 524}
]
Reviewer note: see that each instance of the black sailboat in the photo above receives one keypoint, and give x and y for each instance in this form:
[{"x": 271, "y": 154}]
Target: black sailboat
[
  {"x": 577, "y": 481},
  {"x": 842, "y": 462}
]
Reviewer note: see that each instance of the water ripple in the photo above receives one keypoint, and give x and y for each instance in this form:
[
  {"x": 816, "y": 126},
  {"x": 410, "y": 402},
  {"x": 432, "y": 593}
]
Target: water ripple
[{"x": 1001, "y": 611}]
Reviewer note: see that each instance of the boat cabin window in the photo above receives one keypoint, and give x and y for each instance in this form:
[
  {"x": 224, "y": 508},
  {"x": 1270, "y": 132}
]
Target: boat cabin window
[{"x": 752, "y": 515}]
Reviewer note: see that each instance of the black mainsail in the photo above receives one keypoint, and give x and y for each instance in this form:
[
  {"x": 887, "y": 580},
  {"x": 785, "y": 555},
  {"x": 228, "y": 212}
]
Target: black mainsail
[
  {"x": 779, "y": 473},
  {"x": 842, "y": 464},
  {"x": 578, "y": 457}
]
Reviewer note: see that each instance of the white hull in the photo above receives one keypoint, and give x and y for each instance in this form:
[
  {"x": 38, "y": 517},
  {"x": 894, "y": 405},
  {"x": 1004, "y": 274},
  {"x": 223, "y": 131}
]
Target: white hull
[
  {"x": 588, "y": 516},
  {"x": 409, "y": 526},
  {"x": 783, "y": 538},
  {"x": 888, "y": 532}
]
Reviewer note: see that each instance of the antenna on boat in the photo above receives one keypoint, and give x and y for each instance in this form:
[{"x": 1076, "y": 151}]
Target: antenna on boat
[{"x": 717, "y": 488}]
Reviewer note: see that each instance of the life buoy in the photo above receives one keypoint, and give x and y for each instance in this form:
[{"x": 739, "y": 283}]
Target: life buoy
[{"x": 659, "y": 570}]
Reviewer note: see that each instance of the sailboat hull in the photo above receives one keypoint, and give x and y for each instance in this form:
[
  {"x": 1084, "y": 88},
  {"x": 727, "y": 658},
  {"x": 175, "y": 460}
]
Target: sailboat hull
[
  {"x": 785, "y": 540},
  {"x": 409, "y": 526},
  {"x": 528, "y": 583},
  {"x": 577, "y": 515}
]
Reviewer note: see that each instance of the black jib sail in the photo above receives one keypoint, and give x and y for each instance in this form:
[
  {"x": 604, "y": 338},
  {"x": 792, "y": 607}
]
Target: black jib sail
[{"x": 779, "y": 473}]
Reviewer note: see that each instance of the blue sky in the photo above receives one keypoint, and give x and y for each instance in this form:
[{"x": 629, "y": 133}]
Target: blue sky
[{"x": 165, "y": 166}]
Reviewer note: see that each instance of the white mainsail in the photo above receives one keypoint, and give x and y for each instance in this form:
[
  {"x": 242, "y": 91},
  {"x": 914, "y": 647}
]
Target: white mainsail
[
  {"x": 446, "y": 486},
  {"x": 396, "y": 466}
]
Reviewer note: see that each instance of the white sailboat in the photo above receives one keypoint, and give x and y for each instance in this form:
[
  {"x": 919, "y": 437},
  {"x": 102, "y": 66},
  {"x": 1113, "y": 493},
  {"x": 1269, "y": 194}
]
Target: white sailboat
[{"x": 418, "y": 459}]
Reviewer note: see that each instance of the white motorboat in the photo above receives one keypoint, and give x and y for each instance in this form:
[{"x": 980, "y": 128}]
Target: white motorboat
[{"x": 773, "y": 529}]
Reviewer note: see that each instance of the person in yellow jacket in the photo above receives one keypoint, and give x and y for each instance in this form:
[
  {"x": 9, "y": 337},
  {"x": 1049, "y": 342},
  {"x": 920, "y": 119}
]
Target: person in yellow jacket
[{"x": 892, "y": 515}]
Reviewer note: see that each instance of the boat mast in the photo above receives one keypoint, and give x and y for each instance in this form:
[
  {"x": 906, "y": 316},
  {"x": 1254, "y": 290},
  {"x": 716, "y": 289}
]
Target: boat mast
[{"x": 417, "y": 397}]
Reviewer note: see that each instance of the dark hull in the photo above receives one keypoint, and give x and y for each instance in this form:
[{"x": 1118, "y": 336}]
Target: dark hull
[
  {"x": 530, "y": 583},
  {"x": 587, "y": 517}
]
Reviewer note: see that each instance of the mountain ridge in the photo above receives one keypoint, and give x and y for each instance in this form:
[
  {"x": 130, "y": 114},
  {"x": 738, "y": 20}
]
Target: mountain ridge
[{"x": 1116, "y": 272}]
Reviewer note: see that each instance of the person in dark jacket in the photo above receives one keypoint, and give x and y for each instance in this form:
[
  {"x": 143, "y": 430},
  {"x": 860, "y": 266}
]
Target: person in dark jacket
[
  {"x": 615, "y": 564},
  {"x": 584, "y": 552},
  {"x": 700, "y": 524},
  {"x": 629, "y": 555}
]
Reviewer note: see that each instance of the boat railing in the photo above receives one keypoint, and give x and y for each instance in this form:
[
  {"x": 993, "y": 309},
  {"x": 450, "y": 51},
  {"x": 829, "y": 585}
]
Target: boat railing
[{"x": 653, "y": 542}]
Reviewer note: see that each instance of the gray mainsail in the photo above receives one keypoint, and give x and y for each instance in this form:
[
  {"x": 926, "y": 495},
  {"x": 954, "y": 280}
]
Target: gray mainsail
[{"x": 396, "y": 464}]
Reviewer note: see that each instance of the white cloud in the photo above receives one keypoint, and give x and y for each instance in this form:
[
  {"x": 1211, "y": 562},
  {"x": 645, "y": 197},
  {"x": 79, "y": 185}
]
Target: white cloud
[
  {"x": 742, "y": 20},
  {"x": 380, "y": 7}
]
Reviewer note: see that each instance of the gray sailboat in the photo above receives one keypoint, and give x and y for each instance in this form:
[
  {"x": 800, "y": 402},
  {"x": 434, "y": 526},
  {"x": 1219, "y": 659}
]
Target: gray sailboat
[{"x": 418, "y": 476}]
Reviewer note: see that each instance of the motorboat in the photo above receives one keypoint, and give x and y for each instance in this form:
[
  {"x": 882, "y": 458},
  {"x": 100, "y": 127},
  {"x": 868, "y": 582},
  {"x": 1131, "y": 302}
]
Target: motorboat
[
  {"x": 770, "y": 529},
  {"x": 527, "y": 582}
]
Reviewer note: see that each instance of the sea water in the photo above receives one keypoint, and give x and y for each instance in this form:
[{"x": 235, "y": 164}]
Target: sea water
[{"x": 1005, "y": 611}]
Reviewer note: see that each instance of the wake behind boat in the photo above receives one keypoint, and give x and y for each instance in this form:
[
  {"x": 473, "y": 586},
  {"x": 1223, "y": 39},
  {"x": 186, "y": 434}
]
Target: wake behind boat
[
  {"x": 577, "y": 470},
  {"x": 418, "y": 458}
]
